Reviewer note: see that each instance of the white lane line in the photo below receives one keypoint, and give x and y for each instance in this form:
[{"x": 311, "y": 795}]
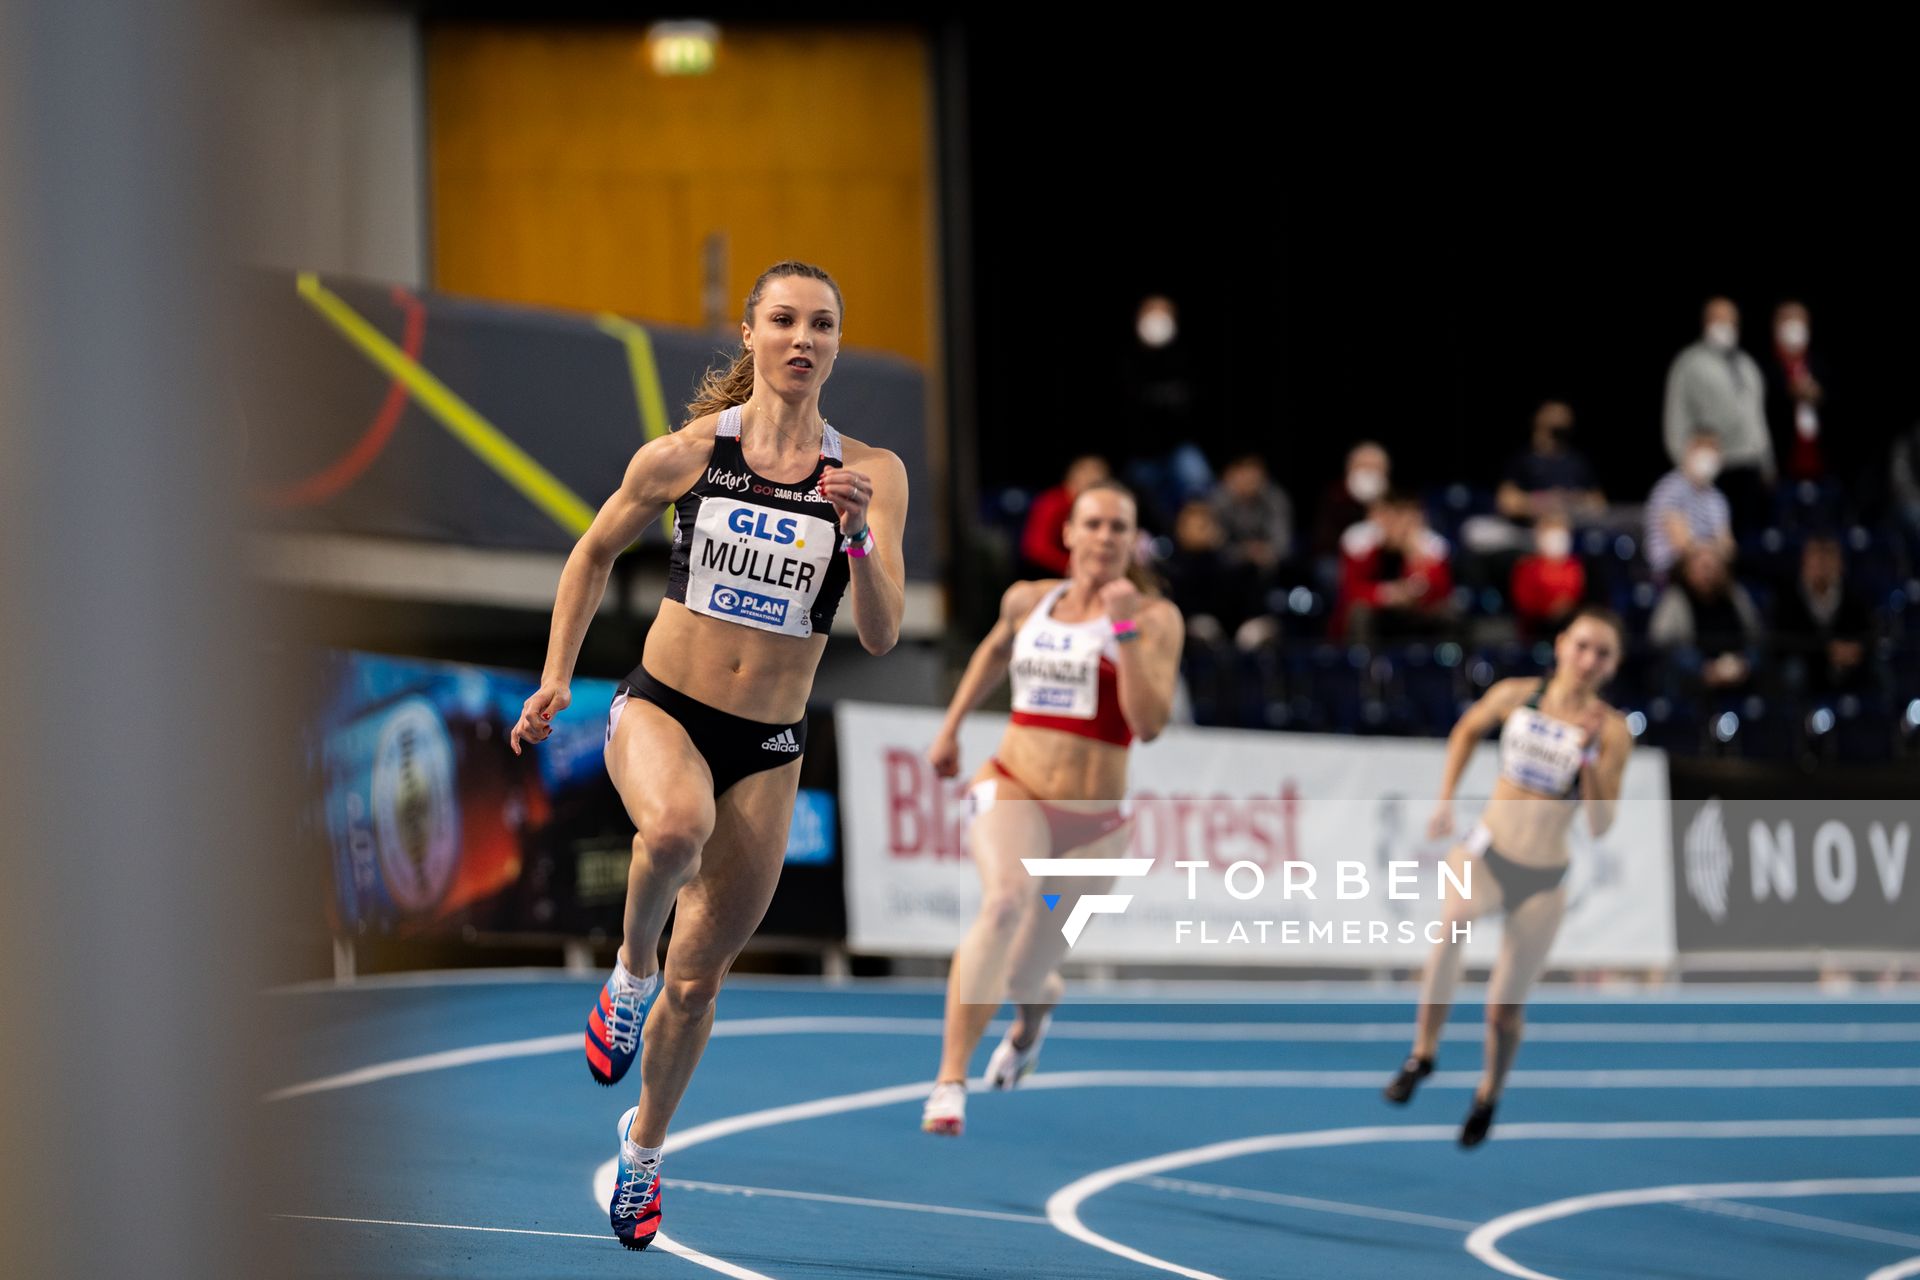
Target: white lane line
[
  {"x": 1600, "y": 1032},
  {"x": 602, "y": 1237},
  {"x": 1602, "y": 1078},
  {"x": 1341, "y": 1032},
  {"x": 1287, "y": 991},
  {"x": 1678, "y": 1078},
  {"x": 665, "y": 1242},
  {"x": 433, "y": 978},
  {"x": 860, "y": 1201},
  {"x": 432, "y": 1062},
  {"x": 1484, "y": 1243},
  {"x": 1898, "y": 1271},
  {"x": 1537, "y": 1032},
  {"x": 1807, "y": 1222},
  {"x": 1218, "y": 1192},
  {"x": 662, "y": 1241},
  {"x": 1063, "y": 1206}
]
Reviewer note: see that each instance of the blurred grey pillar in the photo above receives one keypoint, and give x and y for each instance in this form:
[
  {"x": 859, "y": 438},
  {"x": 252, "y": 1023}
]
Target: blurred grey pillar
[{"x": 130, "y": 945}]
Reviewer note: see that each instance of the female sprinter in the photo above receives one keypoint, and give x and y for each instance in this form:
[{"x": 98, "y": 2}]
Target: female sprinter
[
  {"x": 1093, "y": 664},
  {"x": 776, "y": 514},
  {"x": 1559, "y": 745}
]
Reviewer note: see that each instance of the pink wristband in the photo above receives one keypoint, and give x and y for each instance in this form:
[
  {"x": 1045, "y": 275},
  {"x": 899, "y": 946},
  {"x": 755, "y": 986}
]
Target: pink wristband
[
  {"x": 860, "y": 548},
  {"x": 1125, "y": 629}
]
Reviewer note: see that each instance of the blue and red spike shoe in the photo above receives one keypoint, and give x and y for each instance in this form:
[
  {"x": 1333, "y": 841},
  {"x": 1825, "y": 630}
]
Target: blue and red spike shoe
[
  {"x": 635, "y": 1210},
  {"x": 613, "y": 1028}
]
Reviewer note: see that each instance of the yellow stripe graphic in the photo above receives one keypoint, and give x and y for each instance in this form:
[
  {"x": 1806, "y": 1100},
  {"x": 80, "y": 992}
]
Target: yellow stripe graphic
[
  {"x": 646, "y": 375},
  {"x": 647, "y": 395},
  {"x": 462, "y": 421}
]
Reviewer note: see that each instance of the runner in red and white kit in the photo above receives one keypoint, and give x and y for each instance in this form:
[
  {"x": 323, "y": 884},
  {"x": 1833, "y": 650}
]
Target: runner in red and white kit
[{"x": 1094, "y": 663}]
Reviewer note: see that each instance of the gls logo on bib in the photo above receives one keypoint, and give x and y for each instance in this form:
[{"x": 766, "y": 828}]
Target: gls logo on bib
[
  {"x": 757, "y": 567},
  {"x": 779, "y": 530}
]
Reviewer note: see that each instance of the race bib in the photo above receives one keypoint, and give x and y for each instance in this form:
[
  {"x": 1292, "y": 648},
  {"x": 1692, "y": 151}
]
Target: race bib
[
  {"x": 758, "y": 567},
  {"x": 1056, "y": 672},
  {"x": 1540, "y": 753}
]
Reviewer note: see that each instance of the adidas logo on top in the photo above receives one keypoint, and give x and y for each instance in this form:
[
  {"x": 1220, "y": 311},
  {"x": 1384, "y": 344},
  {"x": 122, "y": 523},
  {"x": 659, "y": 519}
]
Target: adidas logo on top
[{"x": 781, "y": 741}]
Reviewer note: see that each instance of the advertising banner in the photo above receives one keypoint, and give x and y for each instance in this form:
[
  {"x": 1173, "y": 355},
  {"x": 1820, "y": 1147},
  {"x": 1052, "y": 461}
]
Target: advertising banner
[
  {"x": 1342, "y": 871},
  {"x": 1770, "y": 859},
  {"x": 433, "y": 826}
]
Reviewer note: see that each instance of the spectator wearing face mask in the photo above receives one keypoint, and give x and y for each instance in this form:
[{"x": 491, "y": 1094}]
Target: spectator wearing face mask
[
  {"x": 1685, "y": 508},
  {"x": 1715, "y": 387},
  {"x": 1350, "y": 499},
  {"x": 1796, "y": 394},
  {"x": 1551, "y": 476},
  {"x": 1549, "y": 585}
]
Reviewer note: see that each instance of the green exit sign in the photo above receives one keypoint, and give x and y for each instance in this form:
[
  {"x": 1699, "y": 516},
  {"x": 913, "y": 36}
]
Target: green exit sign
[{"x": 682, "y": 48}]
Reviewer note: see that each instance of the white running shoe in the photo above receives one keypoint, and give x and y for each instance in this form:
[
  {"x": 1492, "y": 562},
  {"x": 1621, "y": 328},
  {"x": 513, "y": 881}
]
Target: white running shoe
[
  {"x": 946, "y": 1109},
  {"x": 1009, "y": 1066}
]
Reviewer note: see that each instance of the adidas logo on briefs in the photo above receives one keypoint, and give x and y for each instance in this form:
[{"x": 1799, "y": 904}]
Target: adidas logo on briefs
[{"x": 781, "y": 741}]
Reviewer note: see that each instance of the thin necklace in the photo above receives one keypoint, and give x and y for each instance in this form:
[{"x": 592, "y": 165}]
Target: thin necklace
[{"x": 801, "y": 440}]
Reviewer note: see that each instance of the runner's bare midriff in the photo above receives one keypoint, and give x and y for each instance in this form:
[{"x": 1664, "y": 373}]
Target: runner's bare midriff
[
  {"x": 1064, "y": 766},
  {"x": 1527, "y": 827},
  {"x": 740, "y": 670}
]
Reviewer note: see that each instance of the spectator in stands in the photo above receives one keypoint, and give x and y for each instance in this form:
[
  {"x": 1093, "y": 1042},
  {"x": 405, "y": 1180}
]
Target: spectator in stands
[
  {"x": 1795, "y": 393},
  {"x": 1715, "y": 387},
  {"x": 1256, "y": 515},
  {"x": 1043, "y": 543},
  {"x": 1550, "y": 584},
  {"x": 1685, "y": 508},
  {"x": 1346, "y": 502},
  {"x": 1396, "y": 579},
  {"x": 1706, "y": 624},
  {"x": 1551, "y": 476},
  {"x": 1350, "y": 499},
  {"x": 1215, "y": 592},
  {"x": 1821, "y": 630},
  {"x": 1904, "y": 482}
]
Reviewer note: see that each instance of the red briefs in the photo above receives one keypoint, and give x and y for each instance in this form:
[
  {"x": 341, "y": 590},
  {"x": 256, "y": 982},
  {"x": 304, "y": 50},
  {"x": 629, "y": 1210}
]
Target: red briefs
[{"x": 1069, "y": 829}]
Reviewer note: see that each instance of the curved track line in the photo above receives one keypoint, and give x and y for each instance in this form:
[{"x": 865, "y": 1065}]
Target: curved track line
[
  {"x": 1063, "y": 1206},
  {"x": 1485, "y": 1240}
]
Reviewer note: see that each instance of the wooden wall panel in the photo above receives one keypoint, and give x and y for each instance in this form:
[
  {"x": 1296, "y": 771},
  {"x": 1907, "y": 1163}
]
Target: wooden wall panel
[{"x": 564, "y": 172}]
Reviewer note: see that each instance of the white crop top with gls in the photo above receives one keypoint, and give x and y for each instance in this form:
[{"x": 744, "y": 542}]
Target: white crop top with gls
[{"x": 1540, "y": 753}]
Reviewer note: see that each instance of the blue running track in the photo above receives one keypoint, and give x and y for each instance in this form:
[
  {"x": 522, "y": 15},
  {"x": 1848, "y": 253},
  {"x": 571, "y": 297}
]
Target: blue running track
[{"x": 451, "y": 1128}]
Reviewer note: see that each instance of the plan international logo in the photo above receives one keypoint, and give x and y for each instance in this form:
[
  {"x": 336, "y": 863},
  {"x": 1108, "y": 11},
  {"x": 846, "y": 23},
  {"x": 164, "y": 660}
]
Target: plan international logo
[{"x": 745, "y": 604}]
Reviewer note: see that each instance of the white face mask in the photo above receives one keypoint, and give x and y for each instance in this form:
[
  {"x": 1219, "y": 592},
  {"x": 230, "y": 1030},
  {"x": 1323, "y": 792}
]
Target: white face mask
[
  {"x": 1366, "y": 484},
  {"x": 1555, "y": 544},
  {"x": 1156, "y": 326},
  {"x": 1791, "y": 335},
  {"x": 1703, "y": 465},
  {"x": 1722, "y": 336}
]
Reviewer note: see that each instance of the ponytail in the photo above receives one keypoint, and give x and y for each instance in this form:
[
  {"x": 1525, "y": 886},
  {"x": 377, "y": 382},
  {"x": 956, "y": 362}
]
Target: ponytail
[{"x": 723, "y": 389}]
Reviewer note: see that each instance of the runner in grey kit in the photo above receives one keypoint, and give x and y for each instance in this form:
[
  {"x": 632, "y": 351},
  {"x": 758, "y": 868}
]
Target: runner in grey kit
[{"x": 1560, "y": 746}]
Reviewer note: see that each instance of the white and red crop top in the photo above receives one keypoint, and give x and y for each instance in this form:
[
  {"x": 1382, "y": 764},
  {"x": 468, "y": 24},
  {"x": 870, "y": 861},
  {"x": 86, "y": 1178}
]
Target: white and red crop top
[{"x": 1065, "y": 677}]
